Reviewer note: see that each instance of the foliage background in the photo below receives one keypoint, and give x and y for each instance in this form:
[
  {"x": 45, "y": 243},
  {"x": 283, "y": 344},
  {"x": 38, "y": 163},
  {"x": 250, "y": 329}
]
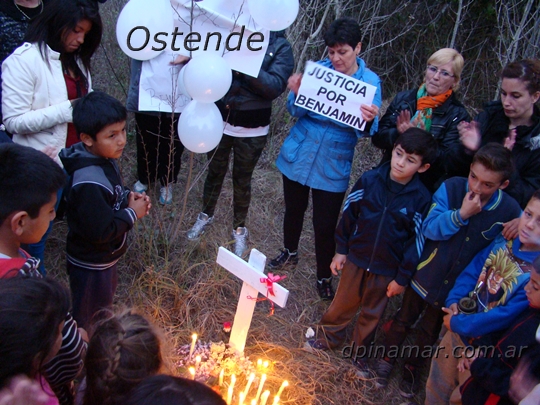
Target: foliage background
[{"x": 179, "y": 284}]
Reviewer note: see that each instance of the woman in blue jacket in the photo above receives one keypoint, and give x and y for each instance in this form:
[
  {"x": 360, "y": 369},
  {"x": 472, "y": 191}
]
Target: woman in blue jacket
[{"x": 317, "y": 155}]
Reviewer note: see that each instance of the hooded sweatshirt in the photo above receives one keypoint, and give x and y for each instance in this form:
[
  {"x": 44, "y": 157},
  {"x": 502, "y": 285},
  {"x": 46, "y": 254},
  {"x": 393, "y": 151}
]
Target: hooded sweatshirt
[{"x": 97, "y": 209}]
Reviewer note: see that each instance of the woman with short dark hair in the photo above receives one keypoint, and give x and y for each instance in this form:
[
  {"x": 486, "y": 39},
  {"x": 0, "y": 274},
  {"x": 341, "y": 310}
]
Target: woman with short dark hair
[{"x": 317, "y": 156}]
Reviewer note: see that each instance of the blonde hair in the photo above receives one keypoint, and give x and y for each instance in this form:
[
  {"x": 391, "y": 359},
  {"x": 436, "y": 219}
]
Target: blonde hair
[
  {"x": 124, "y": 349},
  {"x": 446, "y": 55}
]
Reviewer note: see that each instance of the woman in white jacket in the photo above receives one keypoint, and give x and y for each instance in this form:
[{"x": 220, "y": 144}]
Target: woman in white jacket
[{"x": 43, "y": 77}]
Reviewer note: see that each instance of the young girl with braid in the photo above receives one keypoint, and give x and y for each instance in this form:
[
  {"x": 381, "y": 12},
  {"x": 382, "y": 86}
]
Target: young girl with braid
[{"x": 124, "y": 349}]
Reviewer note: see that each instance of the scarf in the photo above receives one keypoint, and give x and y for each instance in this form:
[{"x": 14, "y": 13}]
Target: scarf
[{"x": 425, "y": 105}]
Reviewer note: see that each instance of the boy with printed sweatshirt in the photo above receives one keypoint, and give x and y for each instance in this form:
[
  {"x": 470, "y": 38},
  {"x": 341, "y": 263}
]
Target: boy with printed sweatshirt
[{"x": 495, "y": 282}]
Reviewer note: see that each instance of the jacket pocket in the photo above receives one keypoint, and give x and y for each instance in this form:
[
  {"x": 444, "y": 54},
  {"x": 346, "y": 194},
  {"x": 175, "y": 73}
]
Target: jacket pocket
[
  {"x": 423, "y": 264},
  {"x": 121, "y": 245},
  {"x": 293, "y": 143},
  {"x": 339, "y": 161}
]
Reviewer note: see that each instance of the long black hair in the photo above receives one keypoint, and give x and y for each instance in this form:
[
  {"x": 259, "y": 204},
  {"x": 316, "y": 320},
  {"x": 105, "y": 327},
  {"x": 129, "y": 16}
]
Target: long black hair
[
  {"x": 31, "y": 311},
  {"x": 59, "y": 18}
]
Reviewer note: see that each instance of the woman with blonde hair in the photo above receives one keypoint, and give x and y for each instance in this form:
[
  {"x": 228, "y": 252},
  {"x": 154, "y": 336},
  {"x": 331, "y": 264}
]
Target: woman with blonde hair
[{"x": 434, "y": 107}]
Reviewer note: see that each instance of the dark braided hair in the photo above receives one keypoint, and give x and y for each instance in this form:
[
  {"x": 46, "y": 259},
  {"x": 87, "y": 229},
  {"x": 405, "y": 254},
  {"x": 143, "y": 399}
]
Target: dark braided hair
[{"x": 124, "y": 349}]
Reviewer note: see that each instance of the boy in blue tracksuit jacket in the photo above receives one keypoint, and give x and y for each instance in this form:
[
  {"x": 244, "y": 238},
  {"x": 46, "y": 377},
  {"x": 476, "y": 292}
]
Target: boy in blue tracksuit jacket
[
  {"x": 379, "y": 242},
  {"x": 466, "y": 215},
  {"x": 495, "y": 281}
]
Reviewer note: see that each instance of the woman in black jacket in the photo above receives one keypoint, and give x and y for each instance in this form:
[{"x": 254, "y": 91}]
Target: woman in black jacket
[
  {"x": 513, "y": 121},
  {"x": 435, "y": 108}
]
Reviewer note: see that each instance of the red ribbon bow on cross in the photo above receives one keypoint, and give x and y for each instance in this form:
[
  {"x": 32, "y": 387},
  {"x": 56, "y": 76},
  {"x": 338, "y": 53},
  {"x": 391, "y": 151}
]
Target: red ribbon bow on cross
[{"x": 270, "y": 280}]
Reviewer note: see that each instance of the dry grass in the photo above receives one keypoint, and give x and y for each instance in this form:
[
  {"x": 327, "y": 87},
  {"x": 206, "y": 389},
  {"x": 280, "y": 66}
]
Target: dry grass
[{"x": 182, "y": 288}]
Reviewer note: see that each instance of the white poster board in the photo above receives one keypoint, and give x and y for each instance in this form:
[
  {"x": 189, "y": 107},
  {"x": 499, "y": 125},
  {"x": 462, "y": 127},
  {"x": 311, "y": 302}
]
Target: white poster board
[
  {"x": 207, "y": 25},
  {"x": 335, "y": 95}
]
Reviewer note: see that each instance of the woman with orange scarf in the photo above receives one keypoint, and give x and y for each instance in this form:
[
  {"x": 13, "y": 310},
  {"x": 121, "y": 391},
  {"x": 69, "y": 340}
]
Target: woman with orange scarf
[{"x": 435, "y": 108}]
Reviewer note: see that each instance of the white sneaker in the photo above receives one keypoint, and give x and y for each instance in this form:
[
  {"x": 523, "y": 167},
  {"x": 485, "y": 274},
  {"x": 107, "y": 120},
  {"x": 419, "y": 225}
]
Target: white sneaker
[
  {"x": 203, "y": 220},
  {"x": 140, "y": 187},
  {"x": 240, "y": 236},
  {"x": 165, "y": 197}
]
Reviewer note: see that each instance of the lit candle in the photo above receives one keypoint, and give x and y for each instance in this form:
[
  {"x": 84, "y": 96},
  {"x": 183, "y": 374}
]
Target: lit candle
[
  {"x": 248, "y": 385},
  {"x": 197, "y": 362},
  {"x": 231, "y": 389},
  {"x": 241, "y": 399},
  {"x": 192, "y": 372},
  {"x": 253, "y": 402},
  {"x": 276, "y": 400},
  {"x": 221, "y": 377},
  {"x": 264, "y": 397},
  {"x": 233, "y": 380},
  {"x": 259, "y": 364},
  {"x": 283, "y": 385},
  {"x": 265, "y": 364},
  {"x": 261, "y": 385},
  {"x": 193, "y": 341}
]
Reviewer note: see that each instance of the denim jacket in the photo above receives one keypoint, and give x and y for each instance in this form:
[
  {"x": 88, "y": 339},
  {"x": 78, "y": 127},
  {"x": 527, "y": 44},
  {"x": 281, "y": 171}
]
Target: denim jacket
[{"x": 319, "y": 151}]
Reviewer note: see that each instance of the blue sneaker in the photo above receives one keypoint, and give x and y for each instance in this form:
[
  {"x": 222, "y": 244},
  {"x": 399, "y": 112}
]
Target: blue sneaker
[
  {"x": 165, "y": 197},
  {"x": 140, "y": 187}
]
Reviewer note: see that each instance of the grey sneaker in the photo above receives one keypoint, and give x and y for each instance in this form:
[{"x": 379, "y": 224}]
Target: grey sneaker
[
  {"x": 140, "y": 187},
  {"x": 165, "y": 195},
  {"x": 240, "y": 236},
  {"x": 203, "y": 220}
]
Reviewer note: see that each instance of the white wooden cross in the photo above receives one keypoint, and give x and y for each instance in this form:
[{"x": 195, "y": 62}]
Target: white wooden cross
[{"x": 250, "y": 273}]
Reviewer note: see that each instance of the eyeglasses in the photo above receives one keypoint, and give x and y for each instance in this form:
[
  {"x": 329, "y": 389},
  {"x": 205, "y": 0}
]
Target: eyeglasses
[{"x": 434, "y": 70}]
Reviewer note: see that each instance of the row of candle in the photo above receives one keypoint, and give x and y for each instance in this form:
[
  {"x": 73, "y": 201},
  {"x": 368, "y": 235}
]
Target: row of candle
[
  {"x": 243, "y": 394},
  {"x": 263, "y": 396}
]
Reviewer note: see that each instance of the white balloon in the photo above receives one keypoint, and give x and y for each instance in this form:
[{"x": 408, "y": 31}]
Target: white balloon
[
  {"x": 181, "y": 86},
  {"x": 274, "y": 15},
  {"x": 200, "y": 126},
  {"x": 139, "y": 22},
  {"x": 207, "y": 77}
]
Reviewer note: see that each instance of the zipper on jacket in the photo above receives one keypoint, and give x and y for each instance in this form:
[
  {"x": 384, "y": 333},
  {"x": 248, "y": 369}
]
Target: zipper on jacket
[{"x": 378, "y": 235}]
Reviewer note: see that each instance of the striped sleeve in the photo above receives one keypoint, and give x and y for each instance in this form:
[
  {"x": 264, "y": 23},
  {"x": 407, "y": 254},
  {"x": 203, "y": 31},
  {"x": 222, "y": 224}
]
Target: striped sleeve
[{"x": 62, "y": 369}]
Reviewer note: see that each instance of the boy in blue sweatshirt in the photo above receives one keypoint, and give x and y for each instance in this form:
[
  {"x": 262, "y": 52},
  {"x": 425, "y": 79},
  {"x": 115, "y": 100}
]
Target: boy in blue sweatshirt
[
  {"x": 490, "y": 370},
  {"x": 378, "y": 243},
  {"x": 495, "y": 282},
  {"x": 466, "y": 215}
]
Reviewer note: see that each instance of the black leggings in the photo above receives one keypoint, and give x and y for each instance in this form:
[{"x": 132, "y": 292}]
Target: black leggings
[
  {"x": 326, "y": 209},
  {"x": 159, "y": 152}
]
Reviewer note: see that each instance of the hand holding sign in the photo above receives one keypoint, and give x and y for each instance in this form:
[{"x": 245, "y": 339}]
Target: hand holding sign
[
  {"x": 335, "y": 95},
  {"x": 369, "y": 112}
]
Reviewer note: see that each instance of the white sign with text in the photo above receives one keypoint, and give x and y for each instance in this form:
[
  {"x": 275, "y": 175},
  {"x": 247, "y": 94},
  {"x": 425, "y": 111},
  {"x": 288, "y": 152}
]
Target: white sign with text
[{"x": 334, "y": 95}]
